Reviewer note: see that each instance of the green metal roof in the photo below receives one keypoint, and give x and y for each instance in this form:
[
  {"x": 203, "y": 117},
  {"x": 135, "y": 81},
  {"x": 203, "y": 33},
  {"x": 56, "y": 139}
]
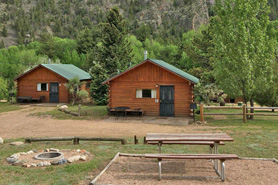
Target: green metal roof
[
  {"x": 175, "y": 70},
  {"x": 68, "y": 71},
  {"x": 164, "y": 65}
]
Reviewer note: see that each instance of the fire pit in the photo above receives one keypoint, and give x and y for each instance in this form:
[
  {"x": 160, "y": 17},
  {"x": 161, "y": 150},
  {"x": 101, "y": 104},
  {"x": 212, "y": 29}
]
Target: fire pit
[{"x": 49, "y": 156}]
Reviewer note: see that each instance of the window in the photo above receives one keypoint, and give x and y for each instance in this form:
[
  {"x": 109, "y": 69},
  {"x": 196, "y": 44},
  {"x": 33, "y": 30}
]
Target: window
[
  {"x": 42, "y": 87},
  {"x": 145, "y": 93},
  {"x": 88, "y": 85}
]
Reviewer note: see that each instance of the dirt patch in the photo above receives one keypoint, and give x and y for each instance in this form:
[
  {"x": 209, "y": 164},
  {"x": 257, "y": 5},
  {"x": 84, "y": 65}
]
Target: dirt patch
[
  {"x": 141, "y": 171},
  {"x": 16, "y": 124}
]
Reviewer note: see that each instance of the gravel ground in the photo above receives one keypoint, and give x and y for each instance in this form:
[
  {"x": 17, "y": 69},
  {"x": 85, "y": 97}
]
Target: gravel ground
[
  {"x": 16, "y": 124},
  {"x": 141, "y": 171}
]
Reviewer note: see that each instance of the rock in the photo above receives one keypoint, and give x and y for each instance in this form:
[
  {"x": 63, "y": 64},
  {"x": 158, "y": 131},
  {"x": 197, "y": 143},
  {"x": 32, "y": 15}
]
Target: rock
[
  {"x": 12, "y": 160},
  {"x": 33, "y": 164},
  {"x": 23, "y": 153},
  {"x": 29, "y": 152},
  {"x": 83, "y": 158},
  {"x": 87, "y": 152},
  {"x": 82, "y": 151},
  {"x": 40, "y": 164},
  {"x": 19, "y": 163},
  {"x": 77, "y": 150},
  {"x": 46, "y": 150},
  {"x": 46, "y": 163},
  {"x": 1, "y": 141},
  {"x": 15, "y": 155},
  {"x": 26, "y": 165},
  {"x": 54, "y": 150},
  {"x": 62, "y": 161},
  {"x": 35, "y": 151},
  {"x": 64, "y": 107},
  {"x": 73, "y": 158},
  {"x": 17, "y": 143}
]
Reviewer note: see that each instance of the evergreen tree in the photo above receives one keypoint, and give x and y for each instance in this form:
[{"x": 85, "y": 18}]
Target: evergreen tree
[
  {"x": 114, "y": 54},
  {"x": 5, "y": 31}
]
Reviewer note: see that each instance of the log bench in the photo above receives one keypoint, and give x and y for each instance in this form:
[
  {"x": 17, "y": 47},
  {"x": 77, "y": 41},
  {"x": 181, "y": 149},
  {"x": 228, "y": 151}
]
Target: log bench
[
  {"x": 221, "y": 157},
  {"x": 210, "y": 143}
]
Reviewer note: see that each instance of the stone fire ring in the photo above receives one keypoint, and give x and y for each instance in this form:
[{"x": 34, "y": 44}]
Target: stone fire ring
[{"x": 49, "y": 156}]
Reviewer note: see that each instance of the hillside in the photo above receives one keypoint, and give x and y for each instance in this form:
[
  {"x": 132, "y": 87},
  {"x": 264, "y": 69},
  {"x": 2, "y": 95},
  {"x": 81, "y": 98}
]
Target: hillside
[
  {"x": 26, "y": 19},
  {"x": 22, "y": 21}
]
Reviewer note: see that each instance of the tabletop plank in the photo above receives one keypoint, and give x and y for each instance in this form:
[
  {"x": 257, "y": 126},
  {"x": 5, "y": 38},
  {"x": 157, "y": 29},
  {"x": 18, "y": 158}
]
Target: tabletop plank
[{"x": 188, "y": 137}]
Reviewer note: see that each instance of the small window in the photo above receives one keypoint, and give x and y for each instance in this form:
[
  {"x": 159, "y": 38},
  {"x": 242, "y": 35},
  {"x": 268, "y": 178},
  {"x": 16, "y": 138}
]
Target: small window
[
  {"x": 88, "y": 85},
  {"x": 42, "y": 87},
  {"x": 145, "y": 93}
]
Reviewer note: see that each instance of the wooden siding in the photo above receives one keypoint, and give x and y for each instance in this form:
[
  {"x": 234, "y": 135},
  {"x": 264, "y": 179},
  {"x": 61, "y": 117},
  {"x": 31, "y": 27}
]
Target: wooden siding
[
  {"x": 27, "y": 84},
  {"x": 122, "y": 90}
]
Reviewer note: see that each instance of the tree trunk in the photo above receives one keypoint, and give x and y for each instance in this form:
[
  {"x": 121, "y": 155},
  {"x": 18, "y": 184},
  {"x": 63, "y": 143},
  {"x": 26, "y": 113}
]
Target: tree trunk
[{"x": 252, "y": 110}]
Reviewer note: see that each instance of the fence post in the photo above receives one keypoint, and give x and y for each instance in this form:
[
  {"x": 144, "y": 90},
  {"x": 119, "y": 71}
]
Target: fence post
[
  {"x": 244, "y": 112},
  {"x": 202, "y": 113},
  {"x": 79, "y": 109}
]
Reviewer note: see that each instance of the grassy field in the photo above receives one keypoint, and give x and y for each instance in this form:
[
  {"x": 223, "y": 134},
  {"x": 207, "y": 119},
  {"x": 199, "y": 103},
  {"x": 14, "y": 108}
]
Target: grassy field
[
  {"x": 91, "y": 112},
  {"x": 256, "y": 138},
  {"x": 6, "y": 107}
]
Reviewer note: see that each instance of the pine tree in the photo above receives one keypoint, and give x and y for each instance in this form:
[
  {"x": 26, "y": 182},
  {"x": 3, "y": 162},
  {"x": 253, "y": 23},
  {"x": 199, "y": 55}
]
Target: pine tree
[
  {"x": 5, "y": 31},
  {"x": 113, "y": 55}
]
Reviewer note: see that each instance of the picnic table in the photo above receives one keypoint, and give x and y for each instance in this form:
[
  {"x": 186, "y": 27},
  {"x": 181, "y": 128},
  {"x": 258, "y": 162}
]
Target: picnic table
[{"x": 213, "y": 139}]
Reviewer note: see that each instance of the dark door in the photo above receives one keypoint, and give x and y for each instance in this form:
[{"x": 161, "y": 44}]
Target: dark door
[
  {"x": 54, "y": 93},
  {"x": 167, "y": 101}
]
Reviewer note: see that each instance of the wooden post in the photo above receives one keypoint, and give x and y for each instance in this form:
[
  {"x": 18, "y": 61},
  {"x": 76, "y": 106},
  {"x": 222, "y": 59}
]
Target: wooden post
[
  {"x": 76, "y": 141},
  {"x": 79, "y": 109},
  {"x": 123, "y": 141},
  {"x": 135, "y": 140},
  {"x": 202, "y": 113},
  {"x": 145, "y": 142},
  {"x": 244, "y": 113}
]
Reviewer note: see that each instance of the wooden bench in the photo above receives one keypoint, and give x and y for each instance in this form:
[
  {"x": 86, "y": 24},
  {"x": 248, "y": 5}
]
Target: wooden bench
[
  {"x": 139, "y": 111},
  {"x": 210, "y": 143},
  {"x": 221, "y": 157}
]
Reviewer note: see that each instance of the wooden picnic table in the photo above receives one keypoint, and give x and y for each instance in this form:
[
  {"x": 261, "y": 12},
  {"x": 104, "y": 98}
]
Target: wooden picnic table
[{"x": 216, "y": 138}]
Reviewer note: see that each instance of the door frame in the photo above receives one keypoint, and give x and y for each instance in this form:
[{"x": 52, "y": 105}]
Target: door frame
[
  {"x": 50, "y": 91},
  {"x": 164, "y": 85}
]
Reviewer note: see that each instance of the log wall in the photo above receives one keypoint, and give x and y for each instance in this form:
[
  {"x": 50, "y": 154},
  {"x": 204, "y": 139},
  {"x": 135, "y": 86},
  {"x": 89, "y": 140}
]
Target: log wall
[
  {"x": 122, "y": 90},
  {"x": 27, "y": 84}
]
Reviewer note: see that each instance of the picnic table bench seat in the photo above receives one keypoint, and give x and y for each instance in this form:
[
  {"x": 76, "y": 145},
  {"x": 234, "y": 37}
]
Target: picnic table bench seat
[
  {"x": 124, "y": 110},
  {"x": 221, "y": 157},
  {"x": 186, "y": 142}
]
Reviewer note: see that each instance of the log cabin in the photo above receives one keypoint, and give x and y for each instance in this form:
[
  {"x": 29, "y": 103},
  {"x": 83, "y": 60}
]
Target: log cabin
[
  {"x": 155, "y": 86},
  {"x": 48, "y": 81}
]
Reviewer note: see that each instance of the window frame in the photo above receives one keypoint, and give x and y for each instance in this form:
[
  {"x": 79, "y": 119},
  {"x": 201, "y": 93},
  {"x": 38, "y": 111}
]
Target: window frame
[
  {"x": 139, "y": 93},
  {"x": 39, "y": 87}
]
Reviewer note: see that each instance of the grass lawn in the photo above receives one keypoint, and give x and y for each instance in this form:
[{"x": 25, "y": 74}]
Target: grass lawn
[
  {"x": 91, "y": 111},
  {"x": 6, "y": 107},
  {"x": 256, "y": 138}
]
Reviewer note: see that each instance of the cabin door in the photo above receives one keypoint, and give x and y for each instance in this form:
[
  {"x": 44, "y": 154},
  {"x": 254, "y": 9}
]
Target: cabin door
[
  {"x": 54, "y": 93},
  {"x": 167, "y": 101}
]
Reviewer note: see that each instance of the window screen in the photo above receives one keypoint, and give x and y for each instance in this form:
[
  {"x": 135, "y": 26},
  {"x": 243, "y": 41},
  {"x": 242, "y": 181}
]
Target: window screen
[
  {"x": 88, "y": 85},
  {"x": 146, "y": 93},
  {"x": 43, "y": 87}
]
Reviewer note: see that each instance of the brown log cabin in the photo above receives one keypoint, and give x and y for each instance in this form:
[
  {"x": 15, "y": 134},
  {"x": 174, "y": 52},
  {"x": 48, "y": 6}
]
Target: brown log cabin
[
  {"x": 155, "y": 86},
  {"x": 48, "y": 81}
]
